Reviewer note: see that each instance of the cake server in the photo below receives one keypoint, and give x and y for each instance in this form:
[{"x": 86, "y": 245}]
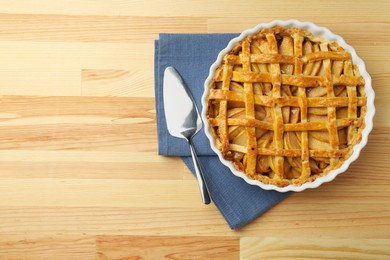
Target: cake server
[{"x": 183, "y": 119}]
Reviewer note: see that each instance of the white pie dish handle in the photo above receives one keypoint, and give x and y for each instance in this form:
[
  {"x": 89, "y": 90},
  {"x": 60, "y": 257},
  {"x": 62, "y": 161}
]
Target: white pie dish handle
[{"x": 317, "y": 31}]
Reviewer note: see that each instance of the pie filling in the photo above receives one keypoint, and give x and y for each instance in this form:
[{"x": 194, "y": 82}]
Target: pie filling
[{"x": 286, "y": 107}]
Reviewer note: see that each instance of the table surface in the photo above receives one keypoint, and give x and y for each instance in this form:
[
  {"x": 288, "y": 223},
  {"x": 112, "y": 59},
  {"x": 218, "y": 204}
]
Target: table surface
[{"x": 79, "y": 172}]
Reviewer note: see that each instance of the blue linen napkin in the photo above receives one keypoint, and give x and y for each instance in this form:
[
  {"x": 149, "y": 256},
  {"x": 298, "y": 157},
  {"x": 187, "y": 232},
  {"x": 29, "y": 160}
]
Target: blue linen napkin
[{"x": 192, "y": 56}]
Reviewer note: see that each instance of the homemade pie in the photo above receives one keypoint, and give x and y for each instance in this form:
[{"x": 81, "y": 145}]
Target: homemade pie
[{"x": 286, "y": 107}]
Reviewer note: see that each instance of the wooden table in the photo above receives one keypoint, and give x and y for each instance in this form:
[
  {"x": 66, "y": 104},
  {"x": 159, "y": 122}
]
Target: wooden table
[{"x": 79, "y": 172}]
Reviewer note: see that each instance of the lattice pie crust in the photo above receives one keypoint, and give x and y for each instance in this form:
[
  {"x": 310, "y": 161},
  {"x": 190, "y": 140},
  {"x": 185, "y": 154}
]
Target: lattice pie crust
[{"x": 286, "y": 107}]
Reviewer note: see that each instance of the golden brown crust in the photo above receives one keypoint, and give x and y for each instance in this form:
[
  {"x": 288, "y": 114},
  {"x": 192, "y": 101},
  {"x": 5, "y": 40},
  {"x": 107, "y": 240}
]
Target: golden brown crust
[{"x": 286, "y": 107}]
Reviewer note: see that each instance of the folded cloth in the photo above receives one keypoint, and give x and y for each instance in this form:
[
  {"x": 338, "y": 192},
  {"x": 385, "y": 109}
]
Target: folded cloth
[{"x": 192, "y": 56}]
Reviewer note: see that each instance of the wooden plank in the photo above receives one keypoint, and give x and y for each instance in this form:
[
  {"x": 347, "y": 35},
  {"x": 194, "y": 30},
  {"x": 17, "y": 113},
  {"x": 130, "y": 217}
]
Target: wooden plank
[
  {"x": 99, "y": 123},
  {"x": 33, "y": 164},
  {"x": 116, "y": 108},
  {"x": 143, "y": 193},
  {"x": 52, "y": 246},
  {"x": 202, "y": 8},
  {"x": 96, "y": 192},
  {"x": 62, "y": 56},
  {"x": 294, "y": 218},
  {"x": 167, "y": 247},
  {"x": 322, "y": 248},
  {"x": 54, "y": 71},
  {"x": 115, "y": 83},
  {"x": 94, "y": 28},
  {"x": 39, "y": 82}
]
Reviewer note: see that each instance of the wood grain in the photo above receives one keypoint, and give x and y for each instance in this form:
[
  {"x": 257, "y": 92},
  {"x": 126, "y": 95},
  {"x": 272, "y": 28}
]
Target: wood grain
[
  {"x": 80, "y": 175},
  {"x": 178, "y": 247},
  {"x": 98, "y": 28},
  {"x": 78, "y": 123},
  {"x": 115, "y": 83},
  {"x": 353, "y": 249},
  {"x": 50, "y": 68},
  {"x": 47, "y": 247},
  {"x": 202, "y": 8}
]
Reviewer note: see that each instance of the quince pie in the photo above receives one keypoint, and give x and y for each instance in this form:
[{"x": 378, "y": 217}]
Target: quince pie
[{"x": 286, "y": 107}]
